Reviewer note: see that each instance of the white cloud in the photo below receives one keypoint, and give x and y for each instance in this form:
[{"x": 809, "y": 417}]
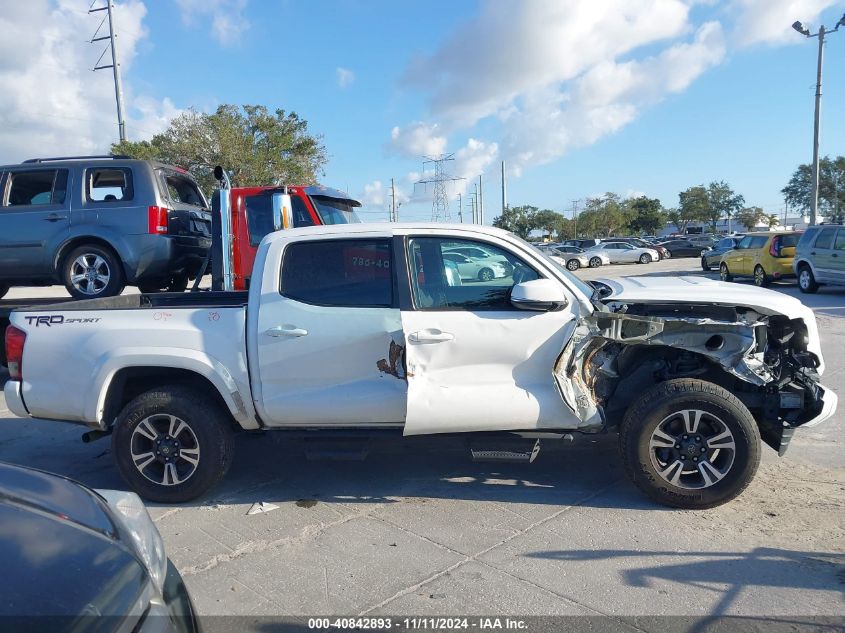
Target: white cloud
[
  {"x": 373, "y": 195},
  {"x": 228, "y": 19},
  {"x": 555, "y": 76},
  {"x": 417, "y": 139},
  {"x": 53, "y": 103},
  {"x": 769, "y": 21},
  {"x": 345, "y": 77}
]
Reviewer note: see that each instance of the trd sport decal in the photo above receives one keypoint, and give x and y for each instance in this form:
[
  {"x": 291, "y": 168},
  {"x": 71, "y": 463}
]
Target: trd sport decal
[{"x": 56, "y": 319}]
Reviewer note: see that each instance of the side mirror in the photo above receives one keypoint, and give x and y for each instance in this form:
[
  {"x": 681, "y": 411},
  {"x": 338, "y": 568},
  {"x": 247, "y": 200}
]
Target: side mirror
[
  {"x": 282, "y": 211},
  {"x": 541, "y": 295}
]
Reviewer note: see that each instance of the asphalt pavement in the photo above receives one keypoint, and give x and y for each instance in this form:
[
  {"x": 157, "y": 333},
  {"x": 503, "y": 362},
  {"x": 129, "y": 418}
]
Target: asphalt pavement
[{"x": 419, "y": 529}]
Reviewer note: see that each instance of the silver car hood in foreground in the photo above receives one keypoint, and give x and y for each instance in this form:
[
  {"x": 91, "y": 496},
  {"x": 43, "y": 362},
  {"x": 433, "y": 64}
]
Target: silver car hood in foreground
[{"x": 700, "y": 290}]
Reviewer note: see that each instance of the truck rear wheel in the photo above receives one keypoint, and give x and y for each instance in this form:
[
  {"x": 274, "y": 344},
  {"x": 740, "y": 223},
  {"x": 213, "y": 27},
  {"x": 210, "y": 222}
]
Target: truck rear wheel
[
  {"x": 690, "y": 444},
  {"x": 172, "y": 444}
]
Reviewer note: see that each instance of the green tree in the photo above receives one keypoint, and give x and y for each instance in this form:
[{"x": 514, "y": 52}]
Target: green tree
[
  {"x": 799, "y": 191},
  {"x": 255, "y": 146},
  {"x": 693, "y": 206},
  {"x": 723, "y": 202},
  {"x": 750, "y": 217},
  {"x": 772, "y": 220},
  {"x": 547, "y": 221},
  {"x": 565, "y": 229},
  {"x": 648, "y": 215},
  {"x": 603, "y": 216},
  {"x": 674, "y": 218},
  {"x": 519, "y": 220}
]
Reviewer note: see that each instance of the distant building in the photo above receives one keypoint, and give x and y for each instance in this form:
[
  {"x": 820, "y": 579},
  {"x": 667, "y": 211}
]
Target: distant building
[{"x": 792, "y": 223}]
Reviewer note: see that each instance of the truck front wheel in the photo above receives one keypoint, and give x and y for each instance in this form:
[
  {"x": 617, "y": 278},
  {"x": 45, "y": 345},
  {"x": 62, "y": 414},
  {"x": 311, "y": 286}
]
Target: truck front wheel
[
  {"x": 172, "y": 445},
  {"x": 690, "y": 444}
]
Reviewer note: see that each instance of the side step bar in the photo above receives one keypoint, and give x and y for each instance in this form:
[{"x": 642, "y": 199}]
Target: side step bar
[{"x": 504, "y": 455}]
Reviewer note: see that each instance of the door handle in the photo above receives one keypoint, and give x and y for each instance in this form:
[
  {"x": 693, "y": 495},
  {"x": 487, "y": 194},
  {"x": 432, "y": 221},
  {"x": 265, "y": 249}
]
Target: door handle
[
  {"x": 430, "y": 336},
  {"x": 813, "y": 253},
  {"x": 54, "y": 217},
  {"x": 286, "y": 330},
  {"x": 835, "y": 255}
]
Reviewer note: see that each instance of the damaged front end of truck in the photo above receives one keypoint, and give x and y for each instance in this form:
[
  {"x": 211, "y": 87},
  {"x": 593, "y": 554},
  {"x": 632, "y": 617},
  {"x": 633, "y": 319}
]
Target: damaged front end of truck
[{"x": 622, "y": 349}]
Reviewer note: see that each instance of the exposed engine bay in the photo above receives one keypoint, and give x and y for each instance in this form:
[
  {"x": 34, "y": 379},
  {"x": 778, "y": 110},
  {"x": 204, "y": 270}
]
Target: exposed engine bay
[{"x": 618, "y": 352}]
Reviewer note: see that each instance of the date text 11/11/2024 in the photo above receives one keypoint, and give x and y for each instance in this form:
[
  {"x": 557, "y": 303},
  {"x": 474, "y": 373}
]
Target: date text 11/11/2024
[{"x": 419, "y": 623}]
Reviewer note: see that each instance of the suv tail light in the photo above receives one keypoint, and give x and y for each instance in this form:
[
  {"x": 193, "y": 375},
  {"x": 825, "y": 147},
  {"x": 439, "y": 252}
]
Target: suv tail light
[
  {"x": 158, "y": 224},
  {"x": 774, "y": 249},
  {"x": 15, "y": 339}
]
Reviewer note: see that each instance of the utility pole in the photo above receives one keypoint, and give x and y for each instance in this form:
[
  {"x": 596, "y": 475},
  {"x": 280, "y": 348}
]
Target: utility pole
[
  {"x": 504, "y": 190},
  {"x": 785, "y": 211},
  {"x": 480, "y": 201},
  {"x": 798, "y": 26},
  {"x": 115, "y": 64},
  {"x": 392, "y": 201},
  {"x": 473, "y": 203},
  {"x": 460, "y": 208},
  {"x": 575, "y": 216}
]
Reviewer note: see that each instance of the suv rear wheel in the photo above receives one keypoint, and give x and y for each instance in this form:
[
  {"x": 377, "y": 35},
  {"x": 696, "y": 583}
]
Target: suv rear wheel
[
  {"x": 690, "y": 444},
  {"x": 172, "y": 444},
  {"x": 92, "y": 271},
  {"x": 806, "y": 280}
]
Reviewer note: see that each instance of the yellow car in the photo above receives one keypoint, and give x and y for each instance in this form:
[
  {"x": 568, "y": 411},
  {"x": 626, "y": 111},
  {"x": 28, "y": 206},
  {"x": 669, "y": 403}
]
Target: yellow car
[{"x": 761, "y": 256}]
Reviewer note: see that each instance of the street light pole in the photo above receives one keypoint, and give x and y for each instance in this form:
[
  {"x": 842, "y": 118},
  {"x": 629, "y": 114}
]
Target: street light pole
[{"x": 798, "y": 26}]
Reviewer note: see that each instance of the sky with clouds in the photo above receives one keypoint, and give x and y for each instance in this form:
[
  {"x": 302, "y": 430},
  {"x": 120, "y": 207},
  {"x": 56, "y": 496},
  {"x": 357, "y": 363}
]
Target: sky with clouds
[{"x": 577, "y": 96}]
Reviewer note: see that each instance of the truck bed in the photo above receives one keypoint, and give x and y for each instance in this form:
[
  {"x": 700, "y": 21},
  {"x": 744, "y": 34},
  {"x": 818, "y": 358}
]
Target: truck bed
[{"x": 134, "y": 302}]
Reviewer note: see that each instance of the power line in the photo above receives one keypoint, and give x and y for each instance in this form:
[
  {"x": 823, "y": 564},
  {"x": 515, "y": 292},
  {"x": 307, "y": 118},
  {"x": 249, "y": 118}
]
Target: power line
[{"x": 441, "y": 179}]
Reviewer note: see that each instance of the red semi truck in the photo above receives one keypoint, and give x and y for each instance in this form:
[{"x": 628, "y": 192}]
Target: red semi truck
[{"x": 242, "y": 216}]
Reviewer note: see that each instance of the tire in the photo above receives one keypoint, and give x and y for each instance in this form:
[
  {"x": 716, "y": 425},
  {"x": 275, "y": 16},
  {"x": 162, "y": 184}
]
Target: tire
[
  {"x": 573, "y": 264},
  {"x": 645, "y": 258},
  {"x": 209, "y": 439},
  {"x": 595, "y": 262},
  {"x": 761, "y": 279},
  {"x": 724, "y": 273},
  {"x": 3, "y": 290},
  {"x": 806, "y": 280},
  {"x": 177, "y": 283},
  {"x": 101, "y": 263},
  {"x": 485, "y": 274},
  {"x": 655, "y": 437},
  {"x": 704, "y": 265}
]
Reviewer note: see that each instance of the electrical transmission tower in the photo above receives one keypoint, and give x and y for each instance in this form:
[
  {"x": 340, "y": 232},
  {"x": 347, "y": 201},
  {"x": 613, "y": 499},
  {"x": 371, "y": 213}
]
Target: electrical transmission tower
[
  {"x": 441, "y": 180},
  {"x": 115, "y": 65}
]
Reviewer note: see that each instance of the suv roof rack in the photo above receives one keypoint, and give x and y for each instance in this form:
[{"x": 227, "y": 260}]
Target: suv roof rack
[{"x": 57, "y": 158}]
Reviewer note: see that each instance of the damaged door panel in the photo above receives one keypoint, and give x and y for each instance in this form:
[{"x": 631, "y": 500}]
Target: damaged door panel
[{"x": 484, "y": 371}]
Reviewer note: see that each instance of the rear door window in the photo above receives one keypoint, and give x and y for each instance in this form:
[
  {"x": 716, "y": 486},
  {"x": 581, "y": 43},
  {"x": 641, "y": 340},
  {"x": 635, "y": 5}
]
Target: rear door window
[
  {"x": 36, "y": 187},
  {"x": 113, "y": 184},
  {"x": 825, "y": 238},
  {"x": 839, "y": 243},
  {"x": 758, "y": 241},
  {"x": 340, "y": 273},
  {"x": 182, "y": 189}
]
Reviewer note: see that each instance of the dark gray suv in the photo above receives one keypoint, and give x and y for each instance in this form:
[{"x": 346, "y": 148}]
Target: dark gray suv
[{"x": 98, "y": 223}]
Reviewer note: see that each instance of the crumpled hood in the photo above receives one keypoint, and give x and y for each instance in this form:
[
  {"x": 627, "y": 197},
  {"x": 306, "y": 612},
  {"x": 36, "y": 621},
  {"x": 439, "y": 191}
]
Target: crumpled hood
[{"x": 702, "y": 290}]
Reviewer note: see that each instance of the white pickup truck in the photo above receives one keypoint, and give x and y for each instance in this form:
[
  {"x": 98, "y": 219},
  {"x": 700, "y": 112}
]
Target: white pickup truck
[{"x": 366, "y": 328}]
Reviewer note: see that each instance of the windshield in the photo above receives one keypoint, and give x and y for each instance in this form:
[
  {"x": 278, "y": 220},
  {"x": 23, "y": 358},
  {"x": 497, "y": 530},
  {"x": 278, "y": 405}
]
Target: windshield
[
  {"x": 583, "y": 286},
  {"x": 335, "y": 211}
]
